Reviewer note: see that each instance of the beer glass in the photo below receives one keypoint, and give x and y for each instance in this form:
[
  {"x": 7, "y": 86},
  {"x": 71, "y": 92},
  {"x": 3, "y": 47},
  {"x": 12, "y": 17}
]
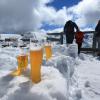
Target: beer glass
[
  {"x": 36, "y": 56},
  {"x": 48, "y": 51},
  {"x": 22, "y": 61}
]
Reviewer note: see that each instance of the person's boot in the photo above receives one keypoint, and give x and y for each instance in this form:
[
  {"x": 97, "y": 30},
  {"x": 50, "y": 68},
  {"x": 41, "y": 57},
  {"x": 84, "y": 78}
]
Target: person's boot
[{"x": 98, "y": 54}]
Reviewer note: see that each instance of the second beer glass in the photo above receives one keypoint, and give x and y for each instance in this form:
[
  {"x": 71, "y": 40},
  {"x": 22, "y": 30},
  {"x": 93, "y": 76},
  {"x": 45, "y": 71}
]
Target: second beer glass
[
  {"x": 48, "y": 51},
  {"x": 36, "y": 56}
]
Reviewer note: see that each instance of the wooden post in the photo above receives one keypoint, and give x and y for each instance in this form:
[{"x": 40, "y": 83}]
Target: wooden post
[
  {"x": 61, "y": 39},
  {"x": 94, "y": 41}
]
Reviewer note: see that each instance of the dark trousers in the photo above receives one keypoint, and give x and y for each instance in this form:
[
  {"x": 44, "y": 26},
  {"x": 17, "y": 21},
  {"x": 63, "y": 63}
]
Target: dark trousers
[
  {"x": 69, "y": 38},
  {"x": 79, "y": 47}
]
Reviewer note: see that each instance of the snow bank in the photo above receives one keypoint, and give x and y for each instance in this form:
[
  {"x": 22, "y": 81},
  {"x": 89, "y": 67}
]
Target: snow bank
[
  {"x": 71, "y": 50},
  {"x": 63, "y": 64},
  {"x": 59, "y": 50},
  {"x": 88, "y": 72},
  {"x": 8, "y": 56},
  {"x": 83, "y": 72},
  {"x": 7, "y": 59},
  {"x": 52, "y": 87},
  {"x": 64, "y": 59}
]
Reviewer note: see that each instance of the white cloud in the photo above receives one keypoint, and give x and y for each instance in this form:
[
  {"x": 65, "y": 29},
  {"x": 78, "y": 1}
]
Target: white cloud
[
  {"x": 57, "y": 30},
  {"x": 62, "y": 16},
  {"x": 51, "y": 16},
  {"x": 29, "y": 15},
  {"x": 87, "y": 12},
  {"x": 20, "y": 15}
]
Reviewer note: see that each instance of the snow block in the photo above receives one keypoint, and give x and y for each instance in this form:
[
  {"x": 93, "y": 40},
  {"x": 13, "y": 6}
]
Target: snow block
[{"x": 63, "y": 64}]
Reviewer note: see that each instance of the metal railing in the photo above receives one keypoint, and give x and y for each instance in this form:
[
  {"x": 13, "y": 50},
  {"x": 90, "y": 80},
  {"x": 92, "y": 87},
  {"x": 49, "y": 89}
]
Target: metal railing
[{"x": 60, "y": 40}]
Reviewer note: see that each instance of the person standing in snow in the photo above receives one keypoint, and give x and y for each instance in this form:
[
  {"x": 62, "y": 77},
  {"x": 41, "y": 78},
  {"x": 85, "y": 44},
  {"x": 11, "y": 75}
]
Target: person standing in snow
[
  {"x": 79, "y": 39},
  {"x": 97, "y": 35},
  {"x": 70, "y": 32}
]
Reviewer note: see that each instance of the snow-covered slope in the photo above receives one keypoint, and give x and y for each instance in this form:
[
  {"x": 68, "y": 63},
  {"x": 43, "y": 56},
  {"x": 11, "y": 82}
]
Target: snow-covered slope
[
  {"x": 64, "y": 71},
  {"x": 21, "y": 88},
  {"x": 89, "y": 77}
]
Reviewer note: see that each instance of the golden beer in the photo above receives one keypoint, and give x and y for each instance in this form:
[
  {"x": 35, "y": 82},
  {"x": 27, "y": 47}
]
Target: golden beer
[
  {"x": 48, "y": 51},
  {"x": 36, "y": 62},
  {"x": 26, "y": 62},
  {"x": 22, "y": 64}
]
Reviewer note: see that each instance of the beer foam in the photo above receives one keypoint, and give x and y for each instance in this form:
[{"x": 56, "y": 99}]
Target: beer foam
[
  {"x": 21, "y": 52},
  {"x": 47, "y": 44},
  {"x": 35, "y": 48}
]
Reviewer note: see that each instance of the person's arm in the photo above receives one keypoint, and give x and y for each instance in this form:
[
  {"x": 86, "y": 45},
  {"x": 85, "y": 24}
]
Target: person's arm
[
  {"x": 96, "y": 28},
  {"x": 77, "y": 29},
  {"x": 65, "y": 28}
]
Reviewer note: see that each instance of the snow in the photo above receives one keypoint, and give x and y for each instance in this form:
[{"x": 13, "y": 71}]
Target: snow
[
  {"x": 22, "y": 88},
  {"x": 3, "y": 36},
  {"x": 89, "y": 78},
  {"x": 63, "y": 64},
  {"x": 65, "y": 74}
]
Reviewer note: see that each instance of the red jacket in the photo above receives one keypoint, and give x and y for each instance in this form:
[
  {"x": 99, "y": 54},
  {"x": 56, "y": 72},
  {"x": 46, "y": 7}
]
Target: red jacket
[{"x": 79, "y": 37}]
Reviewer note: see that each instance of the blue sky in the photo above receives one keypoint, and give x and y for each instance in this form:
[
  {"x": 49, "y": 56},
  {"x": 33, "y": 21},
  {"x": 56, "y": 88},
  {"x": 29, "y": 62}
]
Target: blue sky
[{"x": 58, "y": 4}]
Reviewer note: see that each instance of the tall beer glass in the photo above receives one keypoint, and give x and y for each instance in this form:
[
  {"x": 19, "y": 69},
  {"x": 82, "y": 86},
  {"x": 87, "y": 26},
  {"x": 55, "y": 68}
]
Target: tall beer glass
[
  {"x": 48, "y": 51},
  {"x": 36, "y": 55}
]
